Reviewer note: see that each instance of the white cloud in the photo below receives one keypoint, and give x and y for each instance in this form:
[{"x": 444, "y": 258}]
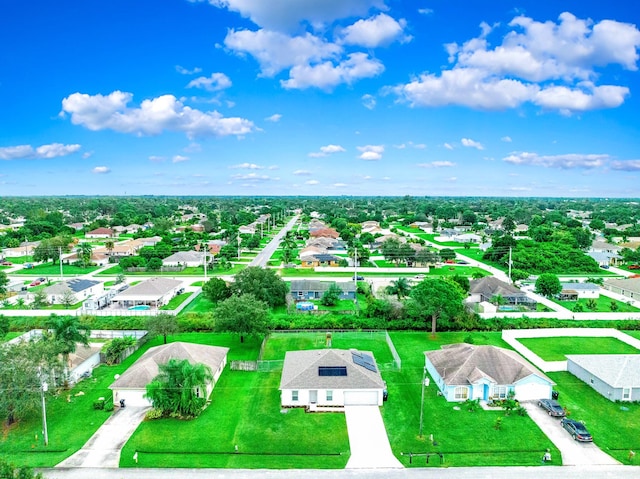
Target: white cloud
[
  {"x": 328, "y": 75},
  {"x": 184, "y": 71},
  {"x": 627, "y": 165},
  {"x": 253, "y": 177},
  {"x": 101, "y": 170},
  {"x": 215, "y": 82},
  {"x": 469, "y": 143},
  {"x": 340, "y": 185},
  {"x": 368, "y": 101},
  {"x": 374, "y": 32},
  {"x": 192, "y": 148},
  {"x": 327, "y": 150},
  {"x": 452, "y": 179},
  {"x": 506, "y": 139},
  {"x": 247, "y": 166},
  {"x": 437, "y": 164},
  {"x": 521, "y": 68},
  {"x": 273, "y": 167},
  {"x": 425, "y": 11},
  {"x": 302, "y": 172},
  {"x": 312, "y": 182},
  {"x": 157, "y": 159},
  {"x": 371, "y": 152},
  {"x": 164, "y": 113},
  {"x": 179, "y": 159},
  {"x": 286, "y": 15},
  {"x": 448, "y": 146},
  {"x": 566, "y": 161},
  {"x": 28, "y": 152},
  {"x": 274, "y": 118}
]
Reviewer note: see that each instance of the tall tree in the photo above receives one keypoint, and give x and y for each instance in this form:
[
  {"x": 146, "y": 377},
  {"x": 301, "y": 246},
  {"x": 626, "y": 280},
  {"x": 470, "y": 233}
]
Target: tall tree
[
  {"x": 437, "y": 299},
  {"x": 180, "y": 388},
  {"x": 331, "y": 296},
  {"x": 548, "y": 285},
  {"x": 67, "y": 333},
  {"x": 399, "y": 287},
  {"x": 264, "y": 284},
  {"x": 84, "y": 253},
  {"x": 4, "y": 282},
  {"x": 216, "y": 290},
  {"x": 162, "y": 324},
  {"x": 242, "y": 315}
]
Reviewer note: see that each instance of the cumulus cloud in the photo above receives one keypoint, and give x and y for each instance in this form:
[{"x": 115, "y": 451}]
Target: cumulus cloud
[
  {"x": 179, "y": 159},
  {"x": 448, "y": 146},
  {"x": 157, "y": 159},
  {"x": 567, "y": 161},
  {"x": 549, "y": 64},
  {"x": 371, "y": 152},
  {"x": 340, "y": 185},
  {"x": 425, "y": 11},
  {"x": 374, "y": 32},
  {"x": 247, "y": 166},
  {"x": 506, "y": 139},
  {"x": 274, "y": 118},
  {"x": 302, "y": 172},
  {"x": 368, "y": 101},
  {"x": 87, "y": 154},
  {"x": 215, "y": 82},
  {"x": 469, "y": 143},
  {"x": 311, "y": 182},
  {"x": 28, "y": 152},
  {"x": 101, "y": 170},
  {"x": 628, "y": 165},
  {"x": 286, "y": 15},
  {"x": 152, "y": 117},
  {"x": 253, "y": 177},
  {"x": 437, "y": 164},
  {"x": 327, "y": 150},
  {"x": 184, "y": 71}
]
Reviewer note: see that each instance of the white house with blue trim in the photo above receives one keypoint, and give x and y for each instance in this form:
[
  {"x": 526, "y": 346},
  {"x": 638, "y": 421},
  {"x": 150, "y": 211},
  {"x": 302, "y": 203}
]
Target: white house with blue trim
[{"x": 465, "y": 371}]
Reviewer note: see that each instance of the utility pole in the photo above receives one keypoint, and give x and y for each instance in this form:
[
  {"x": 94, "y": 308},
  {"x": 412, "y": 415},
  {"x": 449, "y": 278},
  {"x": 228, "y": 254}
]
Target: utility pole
[
  {"x": 60, "y": 261},
  {"x": 43, "y": 389},
  {"x": 205, "y": 247},
  {"x": 510, "y": 265},
  {"x": 424, "y": 375}
]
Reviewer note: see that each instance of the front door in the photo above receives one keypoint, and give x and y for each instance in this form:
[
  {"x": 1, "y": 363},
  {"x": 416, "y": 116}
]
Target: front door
[
  {"x": 485, "y": 396},
  {"x": 313, "y": 396}
]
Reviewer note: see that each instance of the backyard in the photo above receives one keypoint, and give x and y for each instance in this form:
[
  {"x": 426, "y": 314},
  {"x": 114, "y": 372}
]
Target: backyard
[
  {"x": 556, "y": 348},
  {"x": 603, "y": 304}
]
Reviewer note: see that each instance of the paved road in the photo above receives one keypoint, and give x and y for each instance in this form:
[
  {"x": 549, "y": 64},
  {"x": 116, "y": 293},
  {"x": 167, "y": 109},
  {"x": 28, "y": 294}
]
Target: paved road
[
  {"x": 542, "y": 472},
  {"x": 263, "y": 256}
]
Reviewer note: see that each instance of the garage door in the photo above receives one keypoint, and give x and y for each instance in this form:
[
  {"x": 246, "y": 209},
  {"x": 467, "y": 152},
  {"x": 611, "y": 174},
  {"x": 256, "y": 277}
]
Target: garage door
[
  {"x": 532, "y": 391},
  {"x": 361, "y": 398}
]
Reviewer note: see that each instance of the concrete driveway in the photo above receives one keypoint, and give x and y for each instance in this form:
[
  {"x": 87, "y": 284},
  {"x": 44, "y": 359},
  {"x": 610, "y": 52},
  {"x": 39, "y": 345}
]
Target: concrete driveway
[
  {"x": 103, "y": 448},
  {"x": 573, "y": 453},
  {"x": 370, "y": 448}
]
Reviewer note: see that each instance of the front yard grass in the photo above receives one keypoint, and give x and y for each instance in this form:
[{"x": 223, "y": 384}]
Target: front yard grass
[
  {"x": 464, "y": 438},
  {"x": 603, "y": 305},
  {"x": 614, "y": 426},
  {"x": 50, "y": 269},
  {"x": 556, "y": 348}
]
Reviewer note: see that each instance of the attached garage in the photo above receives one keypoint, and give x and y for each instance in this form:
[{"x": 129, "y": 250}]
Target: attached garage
[
  {"x": 362, "y": 398},
  {"x": 532, "y": 391}
]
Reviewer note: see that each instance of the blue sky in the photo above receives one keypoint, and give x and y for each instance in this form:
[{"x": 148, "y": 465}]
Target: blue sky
[{"x": 319, "y": 97}]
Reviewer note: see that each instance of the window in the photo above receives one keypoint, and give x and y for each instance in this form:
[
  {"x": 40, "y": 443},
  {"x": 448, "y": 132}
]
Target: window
[
  {"x": 461, "y": 393},
  {"x": 626, "y": 394},
  {"x": 329, "y": 395},
  {"x": 500, "y": 392},
  {"x": 294, "y": 395}
]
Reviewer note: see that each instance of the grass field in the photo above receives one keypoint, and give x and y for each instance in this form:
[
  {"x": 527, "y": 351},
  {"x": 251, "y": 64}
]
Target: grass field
[
  {"x": 199, "y": 305},
  {"x": 50, "y": 269},
  {"x": 191, "y": 271},
  {"x": 556, "y": 348},
  {"x": 603, "y": 305},
  {"x": 176, "y": 301}
]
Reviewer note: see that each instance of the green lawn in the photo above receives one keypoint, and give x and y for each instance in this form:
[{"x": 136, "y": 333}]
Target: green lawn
[
  {"x": 191, "y": 271},
  {"x": 603, "y": 305},
  {"x": 197, "y": 283},
  {"x": 199, "y": 305},
  {"x": 20, "y": 259},
  {"x": 614, "y": 429},
  {"x": 447, "y": 270},
  {"x": 49, "y": 269},
  {"x": 176, "y": 301},
  {"x": 10, "y": 335},
  {"x": 556, "y": 348}
]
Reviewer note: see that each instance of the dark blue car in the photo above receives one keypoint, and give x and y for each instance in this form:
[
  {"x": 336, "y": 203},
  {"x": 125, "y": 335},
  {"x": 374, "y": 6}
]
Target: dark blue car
[{"x": 576, "y": 429}]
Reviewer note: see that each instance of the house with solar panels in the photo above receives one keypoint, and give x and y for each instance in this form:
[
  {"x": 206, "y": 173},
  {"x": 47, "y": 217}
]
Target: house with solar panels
[{"x": 330, "y": 378}]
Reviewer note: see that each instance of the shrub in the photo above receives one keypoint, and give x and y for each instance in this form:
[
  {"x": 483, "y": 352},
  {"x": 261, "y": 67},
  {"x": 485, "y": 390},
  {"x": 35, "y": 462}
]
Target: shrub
[
  {"x": 113, "y": 349},
  {"x": 98, "y": 404},
  {"x": 108, "y": 406},
  {"x": 153, "y": 414}
]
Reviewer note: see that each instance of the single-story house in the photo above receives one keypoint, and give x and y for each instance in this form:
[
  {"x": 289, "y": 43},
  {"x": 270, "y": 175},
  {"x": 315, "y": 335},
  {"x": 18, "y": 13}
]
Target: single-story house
[
  {"x": 604, "y": 258},
  {"x": 604, "y": 247},
  {"x": 465, "y": 371},
  {"x": 83, "y": 360},
  {"x": 247, "y": 229},
  {"x": 26, "y": 248},
  {"x": 629, "y": 287},
  {"x": 324, "y": 233},
  {"x": 486, "y": 288},
  {"x": 100, "y": 233},
  {"x": 305, "y": 289},
  {"x": 184, "y": 258},
  {"x": 97, "y": 257},
  {"x": 16, "y": 286},
  {"x": 132, "y": 384},
  {"x": 576, "y": 291},
  {"x": 320, "y": 259},
  {"x": 153, "y": 292},
  {"x": 615, "y": 376},
  {"x": 79, "y": 288},
  {"x": 467, "y": 238},
  {"x": 330, "y": 377}
]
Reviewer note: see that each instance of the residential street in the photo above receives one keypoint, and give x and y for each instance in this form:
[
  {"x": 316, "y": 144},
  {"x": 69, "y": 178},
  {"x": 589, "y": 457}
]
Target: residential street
[{"x": 263, "y": 256}]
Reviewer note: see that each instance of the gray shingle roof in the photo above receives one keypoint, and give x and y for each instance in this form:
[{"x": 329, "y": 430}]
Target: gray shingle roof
[
  {"x": 629, "y": 284},
  {"x": 617, "y": 370},
  {"x": 184, "y": 257},
  {"x": 580, "y": 286},
  {"x": 146, "y": 368},
  {"x": 153, "y": 287},
  {"x": 463, "y": 364},
  {"x": 490, "y": 286},
  {"x": 314, "y": 285},
  {"x": 300, "y": 371},
  {"x": 74, "y": 285}
]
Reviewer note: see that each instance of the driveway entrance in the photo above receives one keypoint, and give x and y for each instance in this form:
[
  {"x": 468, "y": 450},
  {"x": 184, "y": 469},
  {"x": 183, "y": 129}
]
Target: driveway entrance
[
  {"x": 368, "y": 439},
  {"x": 574, "y": 453}
]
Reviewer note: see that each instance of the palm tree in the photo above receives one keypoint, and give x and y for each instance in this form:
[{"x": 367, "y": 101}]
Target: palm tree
[
  {"x": 497, "y": 300},
  {"x": 67, "y": 332},
  {"x": 400, "y": 288},
  {"x": 109, "y": 244},
  {"x": 84, "y": 251}
]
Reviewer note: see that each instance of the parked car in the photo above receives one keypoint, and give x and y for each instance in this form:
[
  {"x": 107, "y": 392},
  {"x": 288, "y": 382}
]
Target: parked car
[
  {"x": 358, "y": 278},
  {"x": 604, "y": 266},
  {"x": 35, "y": 282},
  {"x": 6, "y": 263},
  {"x": 632, "y": 266},
  {"x": 552, "y": 407},
  {"x": 42, "y": 280},
  {"x": 461, "y": 261},
  {"x": 419, "y": 276},
  {"x": 576, "y": 429}
]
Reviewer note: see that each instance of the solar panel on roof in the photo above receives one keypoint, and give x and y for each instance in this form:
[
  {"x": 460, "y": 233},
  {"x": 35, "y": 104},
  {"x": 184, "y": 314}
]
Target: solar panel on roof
[
  {"x": 364, "y": 360},
  {"x": 332, "y": 371}
]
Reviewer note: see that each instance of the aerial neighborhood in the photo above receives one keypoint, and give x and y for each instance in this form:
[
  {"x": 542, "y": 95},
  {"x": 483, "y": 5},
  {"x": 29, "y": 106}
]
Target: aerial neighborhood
[{"x": 383, "y": 328}]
